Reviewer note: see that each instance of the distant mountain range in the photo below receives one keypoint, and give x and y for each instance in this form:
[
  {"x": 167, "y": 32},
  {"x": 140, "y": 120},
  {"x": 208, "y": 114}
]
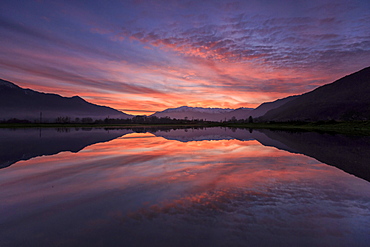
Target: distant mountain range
[
  {"x": 221, "y": 114},
  {"x": 17, "y": 102},
  {"x": 345, "y": 99},
  {"x": 209, "y": 114},
  {"x": 198, "y": 109}
]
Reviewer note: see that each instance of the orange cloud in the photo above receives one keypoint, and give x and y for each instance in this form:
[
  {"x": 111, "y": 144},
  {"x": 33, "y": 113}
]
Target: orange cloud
[{"x": 191, "y": 79}]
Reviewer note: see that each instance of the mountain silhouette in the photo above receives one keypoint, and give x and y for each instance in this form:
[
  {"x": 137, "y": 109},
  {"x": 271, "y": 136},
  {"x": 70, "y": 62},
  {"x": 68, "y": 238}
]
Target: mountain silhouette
[
  {"x": 345, "y": 99},
  {"x": 267, "y": 106},
  {"x": 219, "y": 114},
  {"x": 244, "y": 113},
  {"x": 209, "y": 114},
  {"x": 20, "y": 103}
]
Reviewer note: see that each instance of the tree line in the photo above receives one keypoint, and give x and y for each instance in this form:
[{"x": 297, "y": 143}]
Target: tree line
[{"x": 134, "y": 120}]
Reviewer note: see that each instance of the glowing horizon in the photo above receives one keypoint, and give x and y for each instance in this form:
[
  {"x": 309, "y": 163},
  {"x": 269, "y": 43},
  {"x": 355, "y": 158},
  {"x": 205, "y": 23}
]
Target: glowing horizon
[{"x": 149, "y": 56}]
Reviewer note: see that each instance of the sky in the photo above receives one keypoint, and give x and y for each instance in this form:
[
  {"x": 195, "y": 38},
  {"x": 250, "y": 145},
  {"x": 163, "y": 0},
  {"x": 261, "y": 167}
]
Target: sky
[{"x": 144, "y": 56}]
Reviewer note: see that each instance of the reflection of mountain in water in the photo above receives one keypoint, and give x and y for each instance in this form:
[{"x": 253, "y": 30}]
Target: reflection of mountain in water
[
  {"x": 217, "y": 133},
  {"x": 24, "y": 144},
  {"x": 348, "y": 153},
  {"x": 204, "y": 134}
]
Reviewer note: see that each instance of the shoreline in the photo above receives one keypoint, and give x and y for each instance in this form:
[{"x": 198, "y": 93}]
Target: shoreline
[{"x": 352, "y": 128}]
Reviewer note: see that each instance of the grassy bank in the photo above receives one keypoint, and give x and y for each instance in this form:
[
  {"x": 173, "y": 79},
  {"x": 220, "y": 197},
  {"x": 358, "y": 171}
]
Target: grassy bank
[{"x": 352, "y": 128}]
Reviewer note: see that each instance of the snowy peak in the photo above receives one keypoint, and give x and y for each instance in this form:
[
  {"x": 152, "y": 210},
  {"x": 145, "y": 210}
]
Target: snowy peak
[
  {"x": 207, "y": 114},
  {"x": 198, "y": 109}
]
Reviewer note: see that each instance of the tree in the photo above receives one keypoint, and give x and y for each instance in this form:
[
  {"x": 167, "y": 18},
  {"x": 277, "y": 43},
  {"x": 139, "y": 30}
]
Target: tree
[
  {"x": 87, "y": 120},
  {"x": 65, "y": 119},
  {"x": 250, "y": 119}
]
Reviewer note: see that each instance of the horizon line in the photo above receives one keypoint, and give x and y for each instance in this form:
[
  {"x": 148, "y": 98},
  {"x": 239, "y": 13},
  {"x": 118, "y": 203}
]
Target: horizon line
[{"x": 136, "y": 110}]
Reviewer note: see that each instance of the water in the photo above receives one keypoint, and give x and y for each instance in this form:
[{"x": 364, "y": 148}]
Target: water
[{"x": 183, "y": 187}]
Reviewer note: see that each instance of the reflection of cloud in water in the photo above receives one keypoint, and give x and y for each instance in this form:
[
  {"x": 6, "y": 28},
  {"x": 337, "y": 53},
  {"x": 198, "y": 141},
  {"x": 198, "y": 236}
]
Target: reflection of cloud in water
[
  {"x": 289, "y": 214},
  {"x": 292, "y": 199},
  {"x": 27, "y": 143},
  {"x": 145, "y": 190}
]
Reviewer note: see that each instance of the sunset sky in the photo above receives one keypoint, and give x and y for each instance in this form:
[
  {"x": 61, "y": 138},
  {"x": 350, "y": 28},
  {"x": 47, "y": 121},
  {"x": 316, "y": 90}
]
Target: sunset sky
[{"x": 142, "y": 56}]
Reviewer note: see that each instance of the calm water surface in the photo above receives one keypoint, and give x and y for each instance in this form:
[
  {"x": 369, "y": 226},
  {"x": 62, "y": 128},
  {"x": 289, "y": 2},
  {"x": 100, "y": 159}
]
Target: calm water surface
[{"x": 184, "y": 187}]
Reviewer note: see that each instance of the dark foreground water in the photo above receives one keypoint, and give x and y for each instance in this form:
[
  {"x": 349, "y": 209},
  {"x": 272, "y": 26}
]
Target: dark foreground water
[{"x": 184, "y": 187}]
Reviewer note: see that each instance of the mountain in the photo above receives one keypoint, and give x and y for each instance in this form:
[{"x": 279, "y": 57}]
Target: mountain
[
  {"x": 240, "y": 113},
  {"x": 197, "y": 109},
  {"x": 220, "y": 114},
  {"x": 244, "y": 113},
  {"x": 345, "y": 99},
  {"x": 209, "y": 114},
  {"x": 267, "y": 106},
  {"x": 17, "y": 102}
]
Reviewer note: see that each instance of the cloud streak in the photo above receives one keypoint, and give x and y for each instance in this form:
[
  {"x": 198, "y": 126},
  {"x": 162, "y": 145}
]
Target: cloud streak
[{"x": 153, "y": 55}]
